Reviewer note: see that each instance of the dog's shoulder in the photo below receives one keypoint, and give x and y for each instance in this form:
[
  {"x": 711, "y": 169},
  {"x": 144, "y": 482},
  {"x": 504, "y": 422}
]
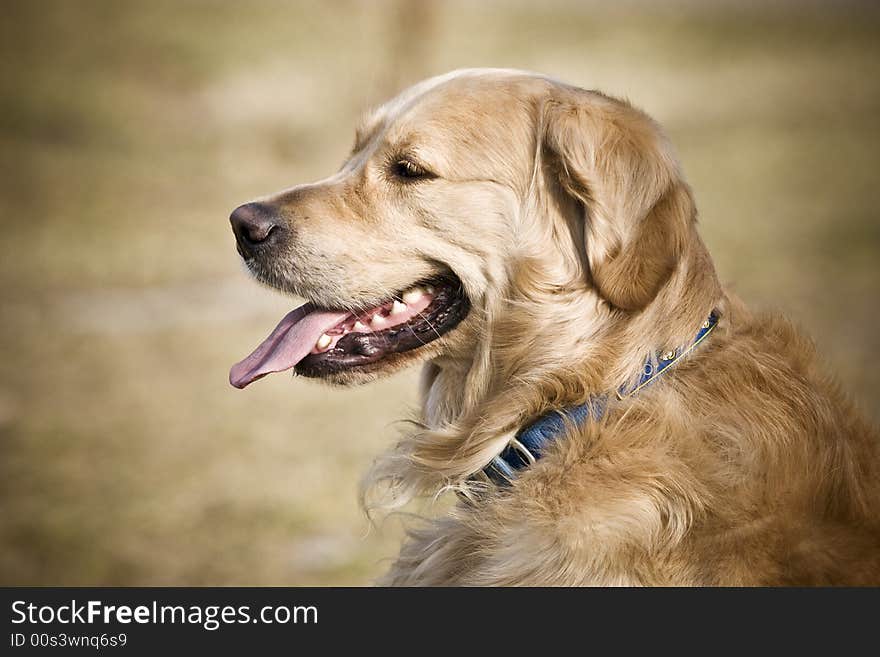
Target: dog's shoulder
[{"x": 745, "y": 465}]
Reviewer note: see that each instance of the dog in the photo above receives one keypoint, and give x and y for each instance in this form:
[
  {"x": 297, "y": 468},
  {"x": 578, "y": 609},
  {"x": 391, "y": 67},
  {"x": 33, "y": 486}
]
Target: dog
[{"x": 606, "y": 411}]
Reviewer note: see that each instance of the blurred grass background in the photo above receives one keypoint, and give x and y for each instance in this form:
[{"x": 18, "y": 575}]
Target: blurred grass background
[{"x": 131, "y": 129}]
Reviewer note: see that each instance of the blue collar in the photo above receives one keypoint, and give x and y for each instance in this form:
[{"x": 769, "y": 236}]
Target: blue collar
[{"x": 530, "y": 442}]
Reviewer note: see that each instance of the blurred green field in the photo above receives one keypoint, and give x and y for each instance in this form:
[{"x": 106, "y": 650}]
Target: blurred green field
[{"x": 131, "y": 129}]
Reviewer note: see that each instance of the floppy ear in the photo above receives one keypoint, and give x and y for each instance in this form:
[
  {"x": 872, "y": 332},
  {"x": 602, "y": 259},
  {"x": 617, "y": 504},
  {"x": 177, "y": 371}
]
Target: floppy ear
[{"x": 614, "y": 160}]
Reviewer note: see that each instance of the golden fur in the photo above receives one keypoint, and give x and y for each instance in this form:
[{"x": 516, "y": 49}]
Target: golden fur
[{"x": 566, "y": 216}]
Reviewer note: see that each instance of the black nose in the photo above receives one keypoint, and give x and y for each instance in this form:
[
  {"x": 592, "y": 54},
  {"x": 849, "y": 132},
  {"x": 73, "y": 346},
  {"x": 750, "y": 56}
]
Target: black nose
[{"x": 255, "y": 225}]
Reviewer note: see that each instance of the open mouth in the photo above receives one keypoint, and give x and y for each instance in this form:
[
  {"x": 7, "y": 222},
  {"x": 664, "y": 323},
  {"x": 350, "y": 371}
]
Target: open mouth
[{"x": 318, "y": 341}]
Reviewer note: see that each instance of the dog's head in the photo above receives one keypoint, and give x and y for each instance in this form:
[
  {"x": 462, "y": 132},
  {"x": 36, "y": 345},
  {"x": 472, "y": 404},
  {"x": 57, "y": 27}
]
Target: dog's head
[{"x": 462, "y": 197}]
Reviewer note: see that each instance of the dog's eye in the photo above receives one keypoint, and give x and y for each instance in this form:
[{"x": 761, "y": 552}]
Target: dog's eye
[{"x": 409, "y": 170}]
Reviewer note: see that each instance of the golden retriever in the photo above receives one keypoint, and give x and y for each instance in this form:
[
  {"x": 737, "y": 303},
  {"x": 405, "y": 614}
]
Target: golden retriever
[{"x": 535, "y": 245}]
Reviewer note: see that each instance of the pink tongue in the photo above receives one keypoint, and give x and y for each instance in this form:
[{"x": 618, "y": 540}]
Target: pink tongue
[{"x": 289, "y": 343}]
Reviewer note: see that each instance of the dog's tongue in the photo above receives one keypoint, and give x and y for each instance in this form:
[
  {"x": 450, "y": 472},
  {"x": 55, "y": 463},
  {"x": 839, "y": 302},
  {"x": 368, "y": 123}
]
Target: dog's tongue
[{"x": 289, "y": 343}]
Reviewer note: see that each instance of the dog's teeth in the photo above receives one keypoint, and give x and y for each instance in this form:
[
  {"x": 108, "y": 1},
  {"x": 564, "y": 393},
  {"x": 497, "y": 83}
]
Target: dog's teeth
[
  {"x": 323, "y": 342},
  {"x": 397, "y": 308},
  {"x": 413, "y": 295},
  {"x": 360, "y": 327},
  {"x": 378, "y": 321}
]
